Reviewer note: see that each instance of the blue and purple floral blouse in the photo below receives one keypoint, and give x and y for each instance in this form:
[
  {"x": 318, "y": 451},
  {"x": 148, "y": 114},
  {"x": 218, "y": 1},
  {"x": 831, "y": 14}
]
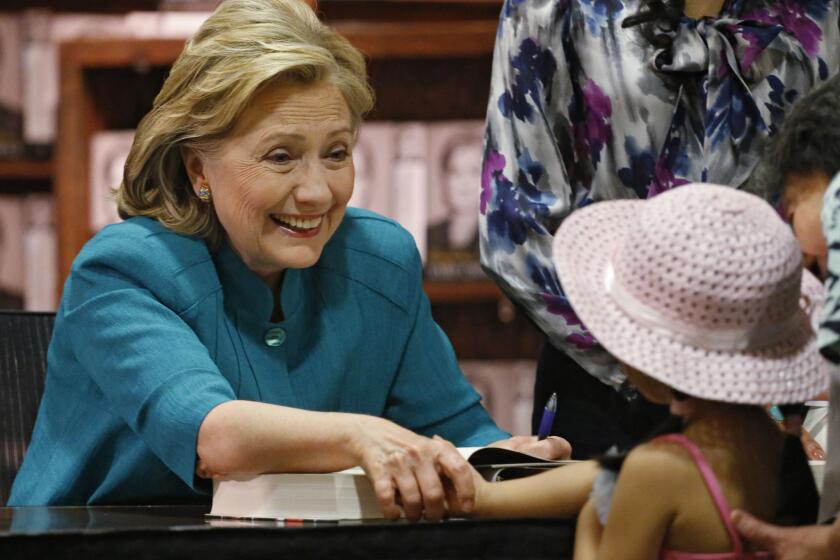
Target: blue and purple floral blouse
[{"x": 582, "y": 110}]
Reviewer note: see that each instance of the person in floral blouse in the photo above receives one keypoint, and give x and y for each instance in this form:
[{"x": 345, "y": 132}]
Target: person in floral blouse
[{"x": 595, "y": 100}]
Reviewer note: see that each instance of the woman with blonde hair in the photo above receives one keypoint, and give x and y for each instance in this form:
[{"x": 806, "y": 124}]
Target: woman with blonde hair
[{"x": 242, "y": 319}]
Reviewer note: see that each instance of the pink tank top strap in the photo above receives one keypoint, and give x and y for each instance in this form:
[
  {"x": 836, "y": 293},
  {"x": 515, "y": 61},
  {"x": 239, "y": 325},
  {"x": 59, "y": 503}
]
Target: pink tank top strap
[{"x": 711, "y": 484}]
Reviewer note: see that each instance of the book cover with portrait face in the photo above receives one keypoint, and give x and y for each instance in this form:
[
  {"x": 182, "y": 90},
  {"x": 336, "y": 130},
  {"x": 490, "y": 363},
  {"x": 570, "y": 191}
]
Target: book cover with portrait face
[{"x": 455, "y": 156}]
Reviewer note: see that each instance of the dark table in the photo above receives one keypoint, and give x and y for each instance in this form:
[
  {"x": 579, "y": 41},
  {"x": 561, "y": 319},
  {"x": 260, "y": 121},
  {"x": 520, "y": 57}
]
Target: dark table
[{"x": 163, "y": 532}]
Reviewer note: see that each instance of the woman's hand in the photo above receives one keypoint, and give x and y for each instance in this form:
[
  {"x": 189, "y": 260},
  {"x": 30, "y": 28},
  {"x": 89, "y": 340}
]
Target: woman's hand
[
  {"x": 411, "y": 470},
  {"x": 552, "y": 447},
  {"x": 454, "y": 504}
]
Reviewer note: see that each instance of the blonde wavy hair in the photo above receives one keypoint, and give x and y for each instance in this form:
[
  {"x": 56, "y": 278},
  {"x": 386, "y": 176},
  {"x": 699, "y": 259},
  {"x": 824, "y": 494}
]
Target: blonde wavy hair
[{"x": 243, "y": 46}]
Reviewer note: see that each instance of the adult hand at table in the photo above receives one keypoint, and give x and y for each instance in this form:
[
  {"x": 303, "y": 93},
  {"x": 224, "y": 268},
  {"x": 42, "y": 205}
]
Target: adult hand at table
[
  {"x": 814, "y": 542},
  {"x": 552, "y": 447},
  {"x": 407, "y": 469}
]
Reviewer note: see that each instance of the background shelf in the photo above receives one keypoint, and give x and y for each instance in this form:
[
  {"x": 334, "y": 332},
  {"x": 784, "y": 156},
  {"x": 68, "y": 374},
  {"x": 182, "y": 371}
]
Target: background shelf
[{"x": 26, "y": 170}]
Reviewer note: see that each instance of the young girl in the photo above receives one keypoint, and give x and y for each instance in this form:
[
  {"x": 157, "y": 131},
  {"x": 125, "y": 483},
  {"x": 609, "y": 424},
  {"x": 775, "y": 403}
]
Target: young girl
[{"x": 699, "y": 293}]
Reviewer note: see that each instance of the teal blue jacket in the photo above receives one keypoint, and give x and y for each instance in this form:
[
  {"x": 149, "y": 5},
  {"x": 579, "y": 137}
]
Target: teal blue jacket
[{"x": 154, "y": 330}]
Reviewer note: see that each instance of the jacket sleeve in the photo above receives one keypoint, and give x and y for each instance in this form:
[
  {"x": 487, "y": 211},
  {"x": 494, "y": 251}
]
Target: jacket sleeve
[
  {"x": 430, "y": 394},
  {"x": 123, "y": 318}
]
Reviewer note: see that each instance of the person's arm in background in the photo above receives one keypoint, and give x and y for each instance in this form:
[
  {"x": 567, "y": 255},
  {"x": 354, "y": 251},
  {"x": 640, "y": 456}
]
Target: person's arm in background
[
  {"x": 814, "y": 542},
  {"x": 526, "y": 183}
]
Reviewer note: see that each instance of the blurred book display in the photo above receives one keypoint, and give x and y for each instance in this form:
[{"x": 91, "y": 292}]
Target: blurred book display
[
  {"x": 427, "y": 177},
  {"x": 344, "y": 495},
  {"x": 39, "y": 39},
  {"x": 455, "y": 157},
  {"x": 27, "y": 253},
  {"x": 11, "y": 252},
  {"x": 373, "y": 156},
  {"x": 11, "y": 100},
  {"x": 108, "y": 152},
  {"x": 40, "y": 254},
  {"x": 409, "y": 181}
]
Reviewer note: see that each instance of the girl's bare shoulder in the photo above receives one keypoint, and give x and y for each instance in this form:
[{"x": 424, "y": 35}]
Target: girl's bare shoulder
[{"x": 663, "y": 461}]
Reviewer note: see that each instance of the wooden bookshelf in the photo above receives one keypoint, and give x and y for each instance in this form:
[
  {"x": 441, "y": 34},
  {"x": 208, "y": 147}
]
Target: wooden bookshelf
[
  {"x": 81, "y": 114},
  {"x": 475, "y": 291},
  {"x": 420, "y": 39},
  {"x": 20, "y": 177},
  {"x": 26, "y": 170}
]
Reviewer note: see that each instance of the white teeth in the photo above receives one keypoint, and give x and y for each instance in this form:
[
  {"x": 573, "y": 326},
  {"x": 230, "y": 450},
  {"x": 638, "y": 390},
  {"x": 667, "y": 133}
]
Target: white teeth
[{"x": 299, "y": 223}]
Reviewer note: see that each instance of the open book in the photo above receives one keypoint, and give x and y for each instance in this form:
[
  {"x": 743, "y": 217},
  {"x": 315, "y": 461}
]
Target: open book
[
  {"x": 495, "y": 463},
  {"x": 346, "y": 494}
]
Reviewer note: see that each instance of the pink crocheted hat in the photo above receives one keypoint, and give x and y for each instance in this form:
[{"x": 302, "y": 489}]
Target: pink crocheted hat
[{"x": 701, "y": 288}]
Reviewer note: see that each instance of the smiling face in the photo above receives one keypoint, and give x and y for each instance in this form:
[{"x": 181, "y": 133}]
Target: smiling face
[{"x": 280, "y": 182}]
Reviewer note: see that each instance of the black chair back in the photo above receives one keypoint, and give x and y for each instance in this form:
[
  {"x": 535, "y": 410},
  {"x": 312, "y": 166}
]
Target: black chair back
[{"x": 24, "y": 337}]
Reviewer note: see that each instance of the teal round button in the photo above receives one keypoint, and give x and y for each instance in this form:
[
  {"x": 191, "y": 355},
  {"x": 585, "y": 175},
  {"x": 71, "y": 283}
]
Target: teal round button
[{"x": 275, "y": 337}]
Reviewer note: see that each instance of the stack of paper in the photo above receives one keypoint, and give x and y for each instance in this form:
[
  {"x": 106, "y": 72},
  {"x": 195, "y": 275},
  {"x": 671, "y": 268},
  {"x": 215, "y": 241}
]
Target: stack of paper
[{"x": 328, "y": 496}]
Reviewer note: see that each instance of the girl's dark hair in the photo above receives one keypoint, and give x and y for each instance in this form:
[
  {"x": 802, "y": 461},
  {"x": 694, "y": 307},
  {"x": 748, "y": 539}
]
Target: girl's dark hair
[
  {"x": 807, "y": 142},
  {"x": 655, "y": 19},
  {"x": 613, "y": 460}
]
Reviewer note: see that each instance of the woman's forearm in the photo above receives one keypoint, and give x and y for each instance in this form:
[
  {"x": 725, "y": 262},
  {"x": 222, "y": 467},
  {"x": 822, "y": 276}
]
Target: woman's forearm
[
  {"x": 560, "y": 492},
  {"x": 252, "y": 437}
]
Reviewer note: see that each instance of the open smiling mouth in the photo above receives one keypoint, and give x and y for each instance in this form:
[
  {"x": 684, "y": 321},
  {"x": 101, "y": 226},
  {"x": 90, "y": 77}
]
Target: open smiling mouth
[{"x": 298, "y": 225}]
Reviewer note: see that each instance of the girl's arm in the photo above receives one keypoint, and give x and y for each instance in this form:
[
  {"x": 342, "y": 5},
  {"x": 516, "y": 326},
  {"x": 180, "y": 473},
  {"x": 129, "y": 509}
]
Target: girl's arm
[
  {"x": 642, "y": 509},
  {"x": 588, "y": 533},
  {"x": 560, "y": 492}
]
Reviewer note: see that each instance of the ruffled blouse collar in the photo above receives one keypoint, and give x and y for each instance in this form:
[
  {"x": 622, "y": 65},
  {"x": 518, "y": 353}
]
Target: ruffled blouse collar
[{"x": 734, "y": 53}]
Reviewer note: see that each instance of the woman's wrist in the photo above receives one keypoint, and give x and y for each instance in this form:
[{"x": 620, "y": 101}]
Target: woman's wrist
[{"x": 353, "y": 434}]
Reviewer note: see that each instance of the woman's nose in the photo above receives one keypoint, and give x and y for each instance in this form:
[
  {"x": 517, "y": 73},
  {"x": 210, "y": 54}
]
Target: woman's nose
[{"x": 313, "y": 188}]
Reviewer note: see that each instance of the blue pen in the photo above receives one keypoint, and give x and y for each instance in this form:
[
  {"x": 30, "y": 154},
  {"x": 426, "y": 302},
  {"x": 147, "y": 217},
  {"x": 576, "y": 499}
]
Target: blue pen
[{"x": 548, "y": 417}]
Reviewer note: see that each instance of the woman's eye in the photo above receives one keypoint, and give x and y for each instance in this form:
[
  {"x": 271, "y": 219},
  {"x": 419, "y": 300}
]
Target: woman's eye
[
  {"x": 338, "y": 155},
  {"x": 279, "y": 157}
]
